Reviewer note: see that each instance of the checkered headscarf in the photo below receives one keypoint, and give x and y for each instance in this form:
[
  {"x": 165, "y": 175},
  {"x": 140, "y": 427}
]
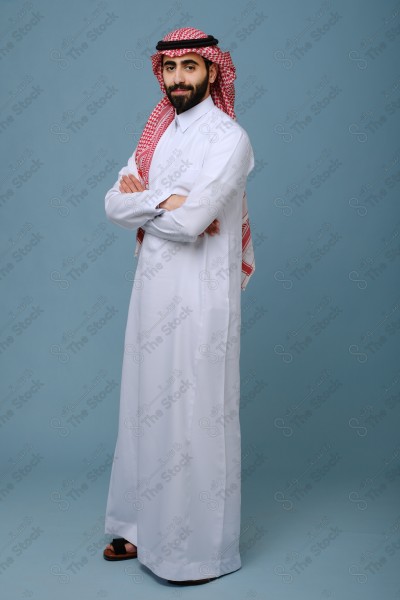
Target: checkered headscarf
[{"x": 223, "y": 94}]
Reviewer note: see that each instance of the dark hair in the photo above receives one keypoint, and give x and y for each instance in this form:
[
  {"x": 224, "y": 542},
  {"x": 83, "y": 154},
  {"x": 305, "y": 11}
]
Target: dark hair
[{"x": 207, "y": 63}]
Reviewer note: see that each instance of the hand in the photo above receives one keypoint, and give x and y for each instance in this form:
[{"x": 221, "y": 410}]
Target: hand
[
  {"x": 130, "y": 183},
  {"x": 172, "y": 202},
  {"x": 212, "y": 229},
  {"x": 175, "y": 201}
]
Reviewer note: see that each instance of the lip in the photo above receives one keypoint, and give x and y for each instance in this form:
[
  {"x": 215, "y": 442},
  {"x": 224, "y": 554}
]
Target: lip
[{"x": 180, "y": 91}]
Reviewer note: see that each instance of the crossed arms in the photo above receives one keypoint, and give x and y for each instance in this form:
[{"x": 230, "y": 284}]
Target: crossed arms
[
  {"x": 174, "y": 217},
  {"x": 130, "y": 183}
]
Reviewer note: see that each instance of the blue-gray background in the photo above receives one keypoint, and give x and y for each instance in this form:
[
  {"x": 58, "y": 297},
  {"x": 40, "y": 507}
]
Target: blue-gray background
[{"x": 318, "y": 92}]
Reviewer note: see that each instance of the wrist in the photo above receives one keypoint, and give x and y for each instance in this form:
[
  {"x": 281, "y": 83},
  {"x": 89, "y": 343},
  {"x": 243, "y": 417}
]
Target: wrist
[{"x": 165, "y": 203}]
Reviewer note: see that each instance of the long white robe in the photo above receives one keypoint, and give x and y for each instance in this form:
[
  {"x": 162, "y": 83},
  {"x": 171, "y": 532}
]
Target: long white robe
[{"x": 175, "y": 482}]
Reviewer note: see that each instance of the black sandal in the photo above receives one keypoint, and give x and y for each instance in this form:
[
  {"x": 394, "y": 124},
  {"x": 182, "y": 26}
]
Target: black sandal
[{"x": 120, "y": 552}]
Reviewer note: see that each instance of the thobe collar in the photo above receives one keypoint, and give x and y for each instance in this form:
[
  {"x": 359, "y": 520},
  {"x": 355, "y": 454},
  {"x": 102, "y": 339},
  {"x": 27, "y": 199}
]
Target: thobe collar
[{"x": 185, "y": 119}]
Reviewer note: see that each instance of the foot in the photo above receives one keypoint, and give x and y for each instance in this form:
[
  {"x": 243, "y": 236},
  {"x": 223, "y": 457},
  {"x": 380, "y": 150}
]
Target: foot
[
  {"x": 120, "y": 549},
  {"x": 128, "y": 546}
]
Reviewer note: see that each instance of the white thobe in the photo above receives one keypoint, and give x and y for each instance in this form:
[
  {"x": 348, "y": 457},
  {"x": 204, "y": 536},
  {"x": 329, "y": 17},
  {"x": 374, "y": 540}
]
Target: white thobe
[{"x": 175, "y": 481}]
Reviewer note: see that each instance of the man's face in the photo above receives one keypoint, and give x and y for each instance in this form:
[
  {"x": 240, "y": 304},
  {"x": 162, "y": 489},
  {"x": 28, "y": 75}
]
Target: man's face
[{"x": 186, "y": 80}]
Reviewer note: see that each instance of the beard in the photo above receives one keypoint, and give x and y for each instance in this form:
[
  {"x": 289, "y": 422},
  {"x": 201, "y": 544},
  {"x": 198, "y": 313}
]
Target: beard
[{"x": 186, "y": 101}]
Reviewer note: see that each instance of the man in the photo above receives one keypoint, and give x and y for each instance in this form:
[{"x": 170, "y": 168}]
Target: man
[{"x": 174, "y": 495}]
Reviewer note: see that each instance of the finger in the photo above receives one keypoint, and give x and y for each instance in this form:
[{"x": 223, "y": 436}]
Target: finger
[
  {"x": 126, "y": 187},
  {"x": 135, "y": 179},
  {"x": 123, "y": 187},
  {"x": 139, "y": 187},
  {"x": 130, "y": 184},
  {"x": 214, "y": 231}
]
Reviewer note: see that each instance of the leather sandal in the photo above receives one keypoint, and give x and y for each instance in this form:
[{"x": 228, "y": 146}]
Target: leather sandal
[{"x": 120, "y": 552}]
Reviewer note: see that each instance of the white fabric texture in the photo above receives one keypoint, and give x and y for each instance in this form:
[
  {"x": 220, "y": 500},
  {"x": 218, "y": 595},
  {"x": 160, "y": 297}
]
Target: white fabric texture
[{"x": 175, "y": 482}]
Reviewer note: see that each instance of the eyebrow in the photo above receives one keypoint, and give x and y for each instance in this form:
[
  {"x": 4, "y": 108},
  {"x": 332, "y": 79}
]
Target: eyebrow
[{"x": 184, "y": 62}]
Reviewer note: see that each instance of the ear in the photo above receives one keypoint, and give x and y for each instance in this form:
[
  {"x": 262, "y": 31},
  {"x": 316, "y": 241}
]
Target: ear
[{"x": 213, "y": 72}]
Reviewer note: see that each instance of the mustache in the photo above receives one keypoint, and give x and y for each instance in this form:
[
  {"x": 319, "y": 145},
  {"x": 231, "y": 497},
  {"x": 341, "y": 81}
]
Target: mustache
[{"x": 178, "y": 87}]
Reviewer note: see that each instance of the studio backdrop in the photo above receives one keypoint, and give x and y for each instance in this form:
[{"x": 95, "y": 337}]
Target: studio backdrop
[{"x": 317, "y": 90}]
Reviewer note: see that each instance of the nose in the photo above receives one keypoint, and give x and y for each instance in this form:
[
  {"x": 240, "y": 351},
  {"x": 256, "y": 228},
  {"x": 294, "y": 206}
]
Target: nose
[{"x": 179, "y": 75}]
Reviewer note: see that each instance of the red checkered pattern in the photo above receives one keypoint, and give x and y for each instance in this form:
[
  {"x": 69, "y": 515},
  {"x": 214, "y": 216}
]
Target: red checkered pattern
[{"x": 223, "y": 95}]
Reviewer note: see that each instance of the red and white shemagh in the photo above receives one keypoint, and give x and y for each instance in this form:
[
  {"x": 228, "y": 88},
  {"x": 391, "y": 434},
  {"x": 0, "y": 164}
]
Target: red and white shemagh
[{"x": 223, "y": 95}]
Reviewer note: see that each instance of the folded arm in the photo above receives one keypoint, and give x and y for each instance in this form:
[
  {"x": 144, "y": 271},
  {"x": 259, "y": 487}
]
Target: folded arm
[{"x": 221, "y": 181}]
